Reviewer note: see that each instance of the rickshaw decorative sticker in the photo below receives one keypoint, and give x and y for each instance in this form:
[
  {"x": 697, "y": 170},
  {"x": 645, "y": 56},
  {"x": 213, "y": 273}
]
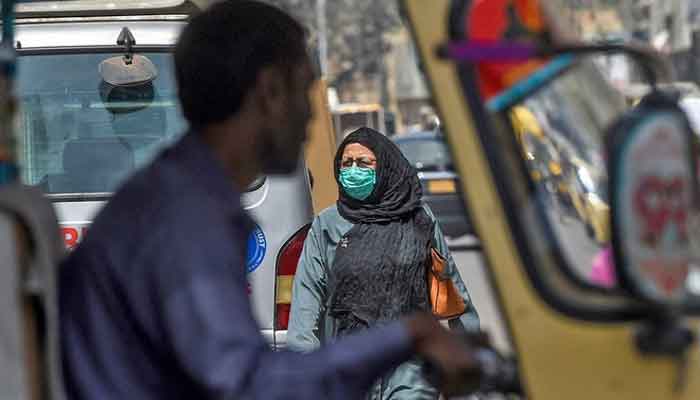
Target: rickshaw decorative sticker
[
  {"x": 509, "y": 21},
  {"x": 256, "y": 249},
  {"x": 654, "y": 196}
]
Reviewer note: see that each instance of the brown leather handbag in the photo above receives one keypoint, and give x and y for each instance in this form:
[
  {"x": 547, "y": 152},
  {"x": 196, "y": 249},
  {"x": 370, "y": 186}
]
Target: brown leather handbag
[{"x": 445, "y": 299}]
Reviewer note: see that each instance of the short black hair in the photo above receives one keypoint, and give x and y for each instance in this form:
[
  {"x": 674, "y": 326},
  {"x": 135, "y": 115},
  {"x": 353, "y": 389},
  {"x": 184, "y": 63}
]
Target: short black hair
[{"x": 221, "y": 51}]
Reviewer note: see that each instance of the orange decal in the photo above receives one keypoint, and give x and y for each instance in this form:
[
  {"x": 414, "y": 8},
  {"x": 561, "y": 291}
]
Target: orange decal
[
  {"x": 510, "y": 21},
  {"x": 70, "y": 237}
]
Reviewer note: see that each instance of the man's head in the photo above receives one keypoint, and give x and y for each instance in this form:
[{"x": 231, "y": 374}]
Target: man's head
[{"x": 247, "y": 61}]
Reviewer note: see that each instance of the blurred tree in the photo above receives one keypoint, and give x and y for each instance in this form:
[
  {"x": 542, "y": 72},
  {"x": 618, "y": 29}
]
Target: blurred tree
[{"x": 356, "y": 35}]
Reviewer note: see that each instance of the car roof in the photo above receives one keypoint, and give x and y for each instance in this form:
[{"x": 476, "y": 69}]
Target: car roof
[{"x": 424, "y": 135}]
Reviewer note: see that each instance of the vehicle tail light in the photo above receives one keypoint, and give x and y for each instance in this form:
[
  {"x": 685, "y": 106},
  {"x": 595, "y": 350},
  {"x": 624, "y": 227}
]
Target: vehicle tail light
[{"x": 287, "y": 261}]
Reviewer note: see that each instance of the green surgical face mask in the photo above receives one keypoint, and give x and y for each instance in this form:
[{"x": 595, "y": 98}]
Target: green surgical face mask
[{"x": 358, "y": 182}]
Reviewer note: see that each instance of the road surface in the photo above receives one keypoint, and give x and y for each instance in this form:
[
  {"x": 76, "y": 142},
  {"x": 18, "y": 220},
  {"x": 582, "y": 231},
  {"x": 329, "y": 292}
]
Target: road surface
[{"x": 472, "y": 270}]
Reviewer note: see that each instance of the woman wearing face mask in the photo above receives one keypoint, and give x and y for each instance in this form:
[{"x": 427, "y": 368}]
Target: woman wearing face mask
[{"x": 364, "y": 260}]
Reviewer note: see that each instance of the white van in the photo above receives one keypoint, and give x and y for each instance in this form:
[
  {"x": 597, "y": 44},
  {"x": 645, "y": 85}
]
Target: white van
[{"x": 79, "y": 145}]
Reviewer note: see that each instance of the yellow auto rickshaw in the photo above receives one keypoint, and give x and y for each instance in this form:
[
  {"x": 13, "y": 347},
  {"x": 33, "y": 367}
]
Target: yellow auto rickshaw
[
  {"x": 541, "y": 154},
  {"x": 532, "y": 139},
  {"x": 574, "y": 337},
  {"x": 590, "y": 201}
]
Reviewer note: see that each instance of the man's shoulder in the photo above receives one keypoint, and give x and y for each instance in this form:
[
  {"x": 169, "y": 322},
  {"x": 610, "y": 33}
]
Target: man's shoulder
[{"x": 161, "y": 196}]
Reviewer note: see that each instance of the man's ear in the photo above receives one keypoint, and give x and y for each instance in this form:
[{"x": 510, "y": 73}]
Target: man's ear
[{"x": 272, "y": 90}]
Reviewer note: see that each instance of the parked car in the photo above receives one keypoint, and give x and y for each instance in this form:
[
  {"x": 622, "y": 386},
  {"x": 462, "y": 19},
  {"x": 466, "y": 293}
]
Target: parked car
[
  {"x": 428, "y": 152},
  {"x": 82, "y": 137}
]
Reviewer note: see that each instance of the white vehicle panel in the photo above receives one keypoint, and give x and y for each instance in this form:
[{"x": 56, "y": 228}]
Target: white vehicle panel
[
  {"x": 146, "y": 33},
  {"x": 280, "y": 206}
]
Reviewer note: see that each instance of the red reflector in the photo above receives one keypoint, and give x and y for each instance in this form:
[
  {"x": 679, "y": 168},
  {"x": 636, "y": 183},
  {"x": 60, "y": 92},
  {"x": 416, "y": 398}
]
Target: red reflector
[
  {"x": 287, "y": 261},
  {"x": 283, "y": 311},
  {"x": 291, "y": 252}
]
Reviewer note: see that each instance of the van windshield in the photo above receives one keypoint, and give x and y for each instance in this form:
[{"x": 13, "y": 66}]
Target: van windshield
[{"x": 82, "y": 137}]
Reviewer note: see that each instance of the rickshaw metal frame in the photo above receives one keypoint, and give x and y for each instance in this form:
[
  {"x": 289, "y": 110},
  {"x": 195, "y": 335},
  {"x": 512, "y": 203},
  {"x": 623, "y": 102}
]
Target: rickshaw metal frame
[
  {"x": 560, "y": 354},
  {"x": 655, "y": 69}
]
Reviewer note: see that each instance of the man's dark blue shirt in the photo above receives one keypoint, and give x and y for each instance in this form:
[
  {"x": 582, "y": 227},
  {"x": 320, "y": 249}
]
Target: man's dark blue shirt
[{"x": 154, "y": 302}]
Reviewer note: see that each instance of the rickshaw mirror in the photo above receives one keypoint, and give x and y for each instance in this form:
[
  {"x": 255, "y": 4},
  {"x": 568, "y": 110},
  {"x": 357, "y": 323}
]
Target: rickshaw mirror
[
  {"x": 544, "y": 83},
  {"x": 126, "y": 99},
  {"x": 652, "y": 166},
  {"x": 120, "y": 71}
]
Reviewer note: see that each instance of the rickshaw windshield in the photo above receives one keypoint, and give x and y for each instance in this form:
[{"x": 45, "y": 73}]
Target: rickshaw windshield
[{"x": 569, "y": 107}]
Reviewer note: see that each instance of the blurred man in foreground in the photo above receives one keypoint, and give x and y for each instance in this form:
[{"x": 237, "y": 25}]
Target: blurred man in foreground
[{"x": 154, "y": 302}]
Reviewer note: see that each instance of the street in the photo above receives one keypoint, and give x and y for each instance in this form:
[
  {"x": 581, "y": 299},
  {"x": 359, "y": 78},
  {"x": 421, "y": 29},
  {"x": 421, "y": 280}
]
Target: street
[{"x": 471, "y": 268}]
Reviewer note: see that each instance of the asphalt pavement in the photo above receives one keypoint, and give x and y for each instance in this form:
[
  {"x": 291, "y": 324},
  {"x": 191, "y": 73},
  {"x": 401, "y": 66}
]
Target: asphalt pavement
[{"x": 473, "y": 274}]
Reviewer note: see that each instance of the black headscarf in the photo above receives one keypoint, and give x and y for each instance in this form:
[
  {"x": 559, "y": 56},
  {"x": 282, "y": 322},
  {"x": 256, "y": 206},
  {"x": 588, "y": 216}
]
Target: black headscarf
[{"x": 379, "y": 270}]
